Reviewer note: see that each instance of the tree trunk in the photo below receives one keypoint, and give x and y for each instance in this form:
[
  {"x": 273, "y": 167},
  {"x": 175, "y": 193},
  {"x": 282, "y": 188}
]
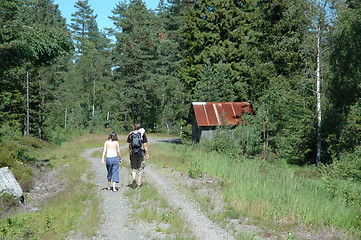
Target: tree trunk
[
  {"x": 318, "y": 93},
  {"x": 66, "y": 116},
  {"x": 93, "y": 111},
  {"x": 27, "y": 120}
]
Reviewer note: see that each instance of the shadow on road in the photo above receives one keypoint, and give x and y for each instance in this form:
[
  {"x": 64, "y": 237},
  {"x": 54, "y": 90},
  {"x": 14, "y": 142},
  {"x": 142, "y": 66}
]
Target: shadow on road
[{"x": 174, "y": 140}]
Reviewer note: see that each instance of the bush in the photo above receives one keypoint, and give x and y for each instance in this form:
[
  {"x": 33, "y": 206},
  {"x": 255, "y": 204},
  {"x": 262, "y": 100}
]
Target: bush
[
  {"x": 5, "y": 159},
  {"x": 11, "y": 129},
  {"x": 244, "y": 140},
  {"x": 345, "y": 191},
  {"x": 57, "y": 135},
  {"x": 32, "y": 142},
  {"x": 343, "y": 178},
  {"x": 185, "y": 131},
  {"x": 195, "y": 170},
  {"x": 7, "y": 202},
  {"x": 24, "y": 174},
  {"x": 18, "y": 158},
  {"x": 348, "y": 166},
  {"x": 223, "y": 141},
  {"x": 21, "y": 149},
  {"x": 249, "y": 139}
]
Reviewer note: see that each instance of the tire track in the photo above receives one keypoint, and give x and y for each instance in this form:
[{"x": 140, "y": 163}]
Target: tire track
[{"x": 117, "y": 210}]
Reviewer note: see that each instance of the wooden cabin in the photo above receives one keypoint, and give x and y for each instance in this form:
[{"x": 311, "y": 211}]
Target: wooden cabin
[{"x": 206, "y": 116}]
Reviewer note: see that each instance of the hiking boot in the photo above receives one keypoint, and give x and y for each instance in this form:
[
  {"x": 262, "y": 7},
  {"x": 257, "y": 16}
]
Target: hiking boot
[{"x": 134, "y": 184}]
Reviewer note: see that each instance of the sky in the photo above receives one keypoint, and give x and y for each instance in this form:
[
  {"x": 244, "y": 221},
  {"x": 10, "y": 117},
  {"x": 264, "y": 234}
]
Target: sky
[{"x": 102, "y": 8}]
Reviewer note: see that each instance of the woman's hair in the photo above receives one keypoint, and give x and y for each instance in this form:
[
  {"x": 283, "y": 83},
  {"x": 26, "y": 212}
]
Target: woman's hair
[
  {"x": 137, "y": 126},
  {"x": 113, "y": 136}
]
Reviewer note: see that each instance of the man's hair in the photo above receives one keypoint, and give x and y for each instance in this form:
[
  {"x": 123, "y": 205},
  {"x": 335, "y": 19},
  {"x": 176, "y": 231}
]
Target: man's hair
[
  {"x": 137, "y": 126},
  {"x": 113, "y": 136}
]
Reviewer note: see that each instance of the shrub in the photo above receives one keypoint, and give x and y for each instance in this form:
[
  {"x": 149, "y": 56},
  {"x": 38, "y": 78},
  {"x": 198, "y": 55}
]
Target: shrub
[
  {"x": 195, "y": 170},
  {"x": 24, "y": 175},
  {"x": 244, "y": 140},
  {"x": 343, "y": 177},
  {"x": 345, "y": 191},
  {"x": 185, "y": 131},
  {"x": 7, "y": 202},
  {"x": 5, "y": 159},
  {"x": 11, "y": 129},
  {"x": 57, "y": 135},
  {"x": 32, "y": 142},
  {"x": 249, "y": 139},
  {"x": 17, "y": 157}
]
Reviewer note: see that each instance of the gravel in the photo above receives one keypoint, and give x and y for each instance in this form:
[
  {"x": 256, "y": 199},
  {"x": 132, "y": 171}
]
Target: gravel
[{"x": 117, "y": 210}]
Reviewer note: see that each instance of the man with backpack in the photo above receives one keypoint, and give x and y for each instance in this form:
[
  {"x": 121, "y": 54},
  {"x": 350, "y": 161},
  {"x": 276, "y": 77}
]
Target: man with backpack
[{"x": 138, "y": 148}]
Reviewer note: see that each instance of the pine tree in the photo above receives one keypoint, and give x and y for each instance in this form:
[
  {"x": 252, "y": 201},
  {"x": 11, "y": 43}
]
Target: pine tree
[
  {"x": 173, "y": 99},
  {"x": 84, "y": 27},
  {"x": 92, "y": 67},
  {"x": 32, "y": 37},
  {"x": 219, "y": 32},
  {"x": 287, "y": 121},
  {"x": 134, "y": 55}
]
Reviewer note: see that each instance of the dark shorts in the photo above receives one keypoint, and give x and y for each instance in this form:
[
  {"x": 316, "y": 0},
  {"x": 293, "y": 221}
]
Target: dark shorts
[{"x": 136, "y": 161}]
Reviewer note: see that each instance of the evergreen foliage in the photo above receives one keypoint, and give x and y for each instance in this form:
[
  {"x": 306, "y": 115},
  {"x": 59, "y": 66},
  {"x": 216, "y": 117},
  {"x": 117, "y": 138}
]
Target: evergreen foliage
[
  {"x": 84, "y": 27},
  {"x": 134, "y": 56},
  {"x": 184, "y": 51},
  {"x": 79, "y": 98},
  {"x": 146, "y": 57},
  {"x": 343, "y": 120},
  {"x": 32, "y": 36}
]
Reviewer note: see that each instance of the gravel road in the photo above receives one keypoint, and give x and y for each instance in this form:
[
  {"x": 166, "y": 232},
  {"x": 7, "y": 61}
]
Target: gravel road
[{"x": 117, "y": 210}]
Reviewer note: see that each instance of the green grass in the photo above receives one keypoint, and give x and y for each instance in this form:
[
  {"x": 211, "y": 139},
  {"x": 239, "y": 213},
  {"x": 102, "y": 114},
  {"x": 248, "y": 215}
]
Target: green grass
[
  {"x": 75, "y": 208},
  {"x": 264, "y": 192},
  {"x": 171, "y": 156},
  {"x": 150, "y": 207}
]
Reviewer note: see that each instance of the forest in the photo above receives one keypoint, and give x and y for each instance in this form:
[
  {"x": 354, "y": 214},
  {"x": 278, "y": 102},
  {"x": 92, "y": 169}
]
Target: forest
[{"x": 297, "y": 61}]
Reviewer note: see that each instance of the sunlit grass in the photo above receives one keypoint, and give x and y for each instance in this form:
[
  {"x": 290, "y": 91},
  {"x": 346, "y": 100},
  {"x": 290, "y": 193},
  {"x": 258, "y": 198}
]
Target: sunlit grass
[
  {"x": 74, "y": 208},
  {"x": 264, "y": 192},
  {"x": 170, "y": 156},
  {"x": 151, "y": 207}
]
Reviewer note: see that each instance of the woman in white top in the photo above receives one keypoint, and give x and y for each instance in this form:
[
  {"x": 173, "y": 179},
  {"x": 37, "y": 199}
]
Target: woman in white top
[{"x": 112, "y": 158}]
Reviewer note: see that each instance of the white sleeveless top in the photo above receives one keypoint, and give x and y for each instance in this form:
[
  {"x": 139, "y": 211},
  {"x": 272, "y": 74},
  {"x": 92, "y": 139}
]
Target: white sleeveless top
[{"x": 112, "y": 153}]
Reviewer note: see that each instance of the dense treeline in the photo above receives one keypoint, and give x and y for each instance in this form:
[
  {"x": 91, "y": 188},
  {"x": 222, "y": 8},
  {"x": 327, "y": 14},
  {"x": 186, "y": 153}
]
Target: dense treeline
[{"x": 148, "y": 67}]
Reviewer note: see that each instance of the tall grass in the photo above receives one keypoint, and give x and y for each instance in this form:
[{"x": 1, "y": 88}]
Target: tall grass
[
  {"x": 75, "y": 208},
  {"x": 266, "y": 192}
]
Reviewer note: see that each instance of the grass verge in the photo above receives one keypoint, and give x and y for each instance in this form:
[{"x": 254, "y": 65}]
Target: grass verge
[
  {"x": 271, "y": 195},
  {"x": 74, "y": 208}
]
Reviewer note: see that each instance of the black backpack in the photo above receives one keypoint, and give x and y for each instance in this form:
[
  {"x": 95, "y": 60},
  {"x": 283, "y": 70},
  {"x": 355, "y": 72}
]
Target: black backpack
[{"x": 136, "y": 143}]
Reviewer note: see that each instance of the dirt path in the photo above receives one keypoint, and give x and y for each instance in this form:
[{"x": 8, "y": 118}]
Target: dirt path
[{"x": 117, "y": 210}]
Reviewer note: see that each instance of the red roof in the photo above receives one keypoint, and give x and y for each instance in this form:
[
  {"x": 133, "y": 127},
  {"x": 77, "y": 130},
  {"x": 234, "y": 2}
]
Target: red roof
[{"x": 220, "y": 113}]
